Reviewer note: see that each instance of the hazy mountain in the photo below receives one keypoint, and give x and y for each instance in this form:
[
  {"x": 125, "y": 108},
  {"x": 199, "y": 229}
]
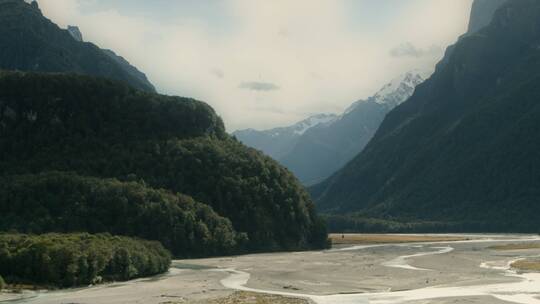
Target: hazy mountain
[
  {"x": 462, "y": 152},
  {"x": 315, "y": 148},
  {"x": 279, "y": 141},
  {"x": 31, "y": 42},
  {"x": 323, "y": 150},
  {"x": 482, "y": 13}
]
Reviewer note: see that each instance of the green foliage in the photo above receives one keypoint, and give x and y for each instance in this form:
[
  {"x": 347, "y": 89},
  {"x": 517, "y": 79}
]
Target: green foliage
[
  {"x": 67, "y": 260},
  {"x": 356, "y": 222},
  {"x": 2, "y": 283},
  {"x": 463, "y": 151},
  {"x": 106, "y": 130},
  {"x": 66, "y": 202},
  {"x": 66, "y": 111}
]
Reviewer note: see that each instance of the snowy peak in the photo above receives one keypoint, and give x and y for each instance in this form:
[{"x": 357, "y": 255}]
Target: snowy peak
[
  {"x": 313, "y": 121},
  {"x": 297, "y": 129},
  {"x": 396, "y": 91},
  {"x": 399, "y": 89},
  {"x": 279, "y": 141}
]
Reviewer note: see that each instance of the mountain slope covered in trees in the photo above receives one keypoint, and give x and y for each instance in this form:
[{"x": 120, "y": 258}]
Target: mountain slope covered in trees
[
  {"x": 31, "y": 42},
  {"x": 98, "y": 128},
  {"x": 462, "y": 152},
  {"x": 67, "y": 202}
]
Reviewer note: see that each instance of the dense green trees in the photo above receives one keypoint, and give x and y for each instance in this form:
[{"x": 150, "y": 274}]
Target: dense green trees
[
  {"x": 2, "y": 283},
  {"x": 101, "y": 129},
  {"x": 65, "y": 202},
  {"x": 64, "y": 112},
  {"x": 358, "y": 222},
  {"x": 78, "y": 259},
  {"x": 82, "y": 154}
]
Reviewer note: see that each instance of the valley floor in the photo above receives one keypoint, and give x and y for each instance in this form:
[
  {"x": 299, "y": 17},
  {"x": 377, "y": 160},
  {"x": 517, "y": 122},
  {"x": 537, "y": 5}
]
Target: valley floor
[{"x": 471, "y": 269}]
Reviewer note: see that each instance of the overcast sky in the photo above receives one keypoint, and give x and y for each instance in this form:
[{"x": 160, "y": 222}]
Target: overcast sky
[{"x": 263, "y": 63}]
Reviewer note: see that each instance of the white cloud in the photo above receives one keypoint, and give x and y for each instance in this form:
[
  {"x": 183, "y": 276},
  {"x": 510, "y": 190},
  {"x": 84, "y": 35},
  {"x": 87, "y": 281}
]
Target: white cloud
[
  {"x": 306, "y": 47},
  {"x": 258, "y": 86},
  {"x": 407, "y": 49}
]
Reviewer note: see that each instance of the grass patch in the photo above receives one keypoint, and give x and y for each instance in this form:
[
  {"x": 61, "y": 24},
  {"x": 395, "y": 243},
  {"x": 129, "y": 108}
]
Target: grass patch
[
  {"x": 521, "y": 246},
  {"x": 527, "y": 265},
  {"x": 348, "y": 239},
  {"x": 191, "y": 266},
  {"x": 241, "y": 297}
]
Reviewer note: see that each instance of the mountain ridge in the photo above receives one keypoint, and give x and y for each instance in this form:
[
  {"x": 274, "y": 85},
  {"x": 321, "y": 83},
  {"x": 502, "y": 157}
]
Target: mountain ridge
[
  {"x": 277, "y": 142},
  {"x": 31, "y": 42},
  {"x": 460, "y": 151},
  {"x": 320, "y": 150}
]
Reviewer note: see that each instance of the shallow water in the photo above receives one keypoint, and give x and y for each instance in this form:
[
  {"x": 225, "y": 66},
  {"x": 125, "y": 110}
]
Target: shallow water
[
  {"x": 205, "y": 279},
  {"x": 525, "y": 291}
]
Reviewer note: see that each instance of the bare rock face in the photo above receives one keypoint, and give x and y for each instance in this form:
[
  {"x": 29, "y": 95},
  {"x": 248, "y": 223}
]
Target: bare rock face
[
  {"x": 75, "y": 33},
  {"x": 31, "y": 42},
  {"x": 482, "y": 12}
]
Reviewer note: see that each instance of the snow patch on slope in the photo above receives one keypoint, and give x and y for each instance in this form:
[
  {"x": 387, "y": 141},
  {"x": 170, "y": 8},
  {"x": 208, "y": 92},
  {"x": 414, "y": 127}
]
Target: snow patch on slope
[
  {"x": 396, "y": 91},
  {"x": 313, "y": 121}
]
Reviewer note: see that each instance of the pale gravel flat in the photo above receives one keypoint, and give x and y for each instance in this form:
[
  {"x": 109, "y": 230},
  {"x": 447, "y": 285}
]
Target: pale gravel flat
[
  {"x": 309, "y": 273},
  {"x": 470, "y": 300}
]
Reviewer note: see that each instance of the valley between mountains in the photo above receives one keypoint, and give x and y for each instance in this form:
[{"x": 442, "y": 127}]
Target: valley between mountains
[{"x": 114, "y": 190}]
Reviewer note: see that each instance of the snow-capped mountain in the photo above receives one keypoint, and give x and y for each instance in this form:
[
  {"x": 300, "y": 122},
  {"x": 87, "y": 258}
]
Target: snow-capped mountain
[
  {"x": 399, "y": 89},
  {"x": 313, "y": 121},
  {"x": 277, "y": 142},
  {"x": 320, "y": 145},
  {"x": 396, "y": 91}
]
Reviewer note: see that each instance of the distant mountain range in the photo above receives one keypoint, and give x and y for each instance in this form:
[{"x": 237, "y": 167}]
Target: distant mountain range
[
  {"x": 315, "y": 148},
  {"x": 462, "y": 153},
  {"x": 36, "y": 44},
  {"x": 280, "y": 141}
]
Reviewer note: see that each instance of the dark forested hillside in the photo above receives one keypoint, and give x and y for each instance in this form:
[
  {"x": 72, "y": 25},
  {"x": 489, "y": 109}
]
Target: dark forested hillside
[
  {"x": 31, "y": 42},
  {"x": 66, "y": 202},
  {"x": 66, "y": 260},
  {"x": 463, "y": 150},
  {"x": 98, "y": 128}
]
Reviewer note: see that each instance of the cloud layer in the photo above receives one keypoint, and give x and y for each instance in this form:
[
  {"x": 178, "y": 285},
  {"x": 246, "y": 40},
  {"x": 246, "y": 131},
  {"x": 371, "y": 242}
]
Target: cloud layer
[
  {"x": 258, "y": 86},
  {"x": 313, "y": 56},
  {"x": 409, "y": 50}
]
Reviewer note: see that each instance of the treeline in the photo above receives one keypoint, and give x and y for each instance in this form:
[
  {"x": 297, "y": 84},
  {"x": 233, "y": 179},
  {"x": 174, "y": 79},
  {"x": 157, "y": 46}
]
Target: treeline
[
  {"x": 106, "y": 130},
  {"x": 78, "y": 259},
  {"x": 354, "y": 223},
  {"x": 67, "y": 109},
  {"x": 67, "y": 202}
]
